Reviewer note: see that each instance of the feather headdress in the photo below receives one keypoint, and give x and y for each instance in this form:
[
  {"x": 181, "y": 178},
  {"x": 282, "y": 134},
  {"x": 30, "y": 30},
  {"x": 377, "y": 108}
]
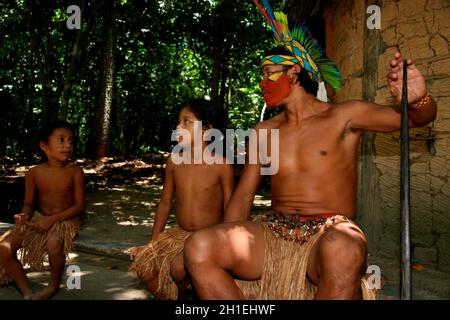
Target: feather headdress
[{"x": 305, "y": 50}]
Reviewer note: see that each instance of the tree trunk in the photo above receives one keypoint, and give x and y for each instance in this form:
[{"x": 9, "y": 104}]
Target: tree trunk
[
  {"x": 28, "y": 121},
  {"x": 219, "y": 79},
  {"x": 223, "y": 87},
  {"x": 75, "y": 56},
  {"x": 120, "y": 124},
  {"x": 44, "y": 64},
  {"x": 215, "y": 77},
  {"x": 106, "y": 89}
]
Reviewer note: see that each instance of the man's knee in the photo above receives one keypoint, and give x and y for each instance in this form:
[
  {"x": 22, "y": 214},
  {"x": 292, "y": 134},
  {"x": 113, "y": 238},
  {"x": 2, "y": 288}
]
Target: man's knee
[
  {"x": 54, "y": 247},
  {"x": 198, "y": 248},
  {"x": 343, "y": 251}
]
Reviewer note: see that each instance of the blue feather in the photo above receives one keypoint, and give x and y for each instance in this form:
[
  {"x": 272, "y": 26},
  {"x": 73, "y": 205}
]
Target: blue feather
[{"x": 269, "y": 11}]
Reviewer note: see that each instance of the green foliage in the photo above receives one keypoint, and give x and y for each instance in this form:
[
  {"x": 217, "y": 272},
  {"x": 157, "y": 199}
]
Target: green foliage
[{"x": 165, "y": 53}]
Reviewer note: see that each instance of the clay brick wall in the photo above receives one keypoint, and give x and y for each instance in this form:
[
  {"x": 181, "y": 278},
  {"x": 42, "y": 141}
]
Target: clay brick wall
[{"x": 420, "y": 29}]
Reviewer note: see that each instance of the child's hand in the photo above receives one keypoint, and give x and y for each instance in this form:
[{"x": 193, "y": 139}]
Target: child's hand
[
  {"x": 43, "y": 224},
  {"x": 134, "y": 251},
  {"x": 21, "y": 218}
]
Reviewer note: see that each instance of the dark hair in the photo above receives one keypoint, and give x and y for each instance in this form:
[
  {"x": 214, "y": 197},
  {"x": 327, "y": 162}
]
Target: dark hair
[
  {"x": 305, "y": 81},
  {"x": 205, "y": 111},
  {"x": 46, "y": 131}
]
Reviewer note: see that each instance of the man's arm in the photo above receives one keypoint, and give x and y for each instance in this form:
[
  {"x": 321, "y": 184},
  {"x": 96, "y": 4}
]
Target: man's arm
[
  {"x": 240, "y": 204},
  {"x": 374, "y": 117},
  {"x": 165, "y": 204}
]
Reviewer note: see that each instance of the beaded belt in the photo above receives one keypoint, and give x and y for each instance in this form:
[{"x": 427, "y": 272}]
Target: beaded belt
[{"x": 295, "y": 227}]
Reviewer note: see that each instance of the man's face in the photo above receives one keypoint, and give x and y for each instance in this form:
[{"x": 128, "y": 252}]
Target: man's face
[{"x": 276, "y": 84}]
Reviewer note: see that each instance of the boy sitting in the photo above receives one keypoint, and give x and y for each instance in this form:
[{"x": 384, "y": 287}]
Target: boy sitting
[
  {"x": 55, "y": 189},
  {"x": 201, "y": 191}
]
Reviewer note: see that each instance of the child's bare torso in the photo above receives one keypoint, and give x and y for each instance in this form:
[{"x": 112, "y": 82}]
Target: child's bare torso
[
  {"x": 54, "y": 187},
  {"x": 198, "y": 192}
]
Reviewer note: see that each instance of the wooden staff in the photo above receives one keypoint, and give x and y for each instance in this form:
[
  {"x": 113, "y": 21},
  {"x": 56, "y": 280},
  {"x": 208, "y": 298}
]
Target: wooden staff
[{"x": 404, "y": 194}]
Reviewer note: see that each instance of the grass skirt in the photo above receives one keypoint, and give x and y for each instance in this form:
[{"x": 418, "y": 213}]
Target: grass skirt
[
  {"x": 34, "y": 243},
  {"x": 284, "y": 271},
  {"x": 154, "y": 261}
]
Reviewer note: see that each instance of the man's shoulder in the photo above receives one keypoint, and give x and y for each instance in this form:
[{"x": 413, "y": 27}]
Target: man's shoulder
[
  {"x": 271, "y": 123},
  {"x": 347, "y": 105},
  {"x": 346, "y": 109}
]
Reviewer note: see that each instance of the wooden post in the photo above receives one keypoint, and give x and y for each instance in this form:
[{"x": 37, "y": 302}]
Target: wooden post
[{"x": 404, "y": 195}]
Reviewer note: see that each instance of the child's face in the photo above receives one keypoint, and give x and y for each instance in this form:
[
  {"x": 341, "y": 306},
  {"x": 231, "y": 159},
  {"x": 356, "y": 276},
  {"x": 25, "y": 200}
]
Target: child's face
[
  {"x": 59, "y": 146},
  {"x": 187, "y": 121}
]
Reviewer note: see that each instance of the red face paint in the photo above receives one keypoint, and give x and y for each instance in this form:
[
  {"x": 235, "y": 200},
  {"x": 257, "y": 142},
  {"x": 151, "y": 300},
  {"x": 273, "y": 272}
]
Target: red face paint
[{"x": 275, "y": 91}]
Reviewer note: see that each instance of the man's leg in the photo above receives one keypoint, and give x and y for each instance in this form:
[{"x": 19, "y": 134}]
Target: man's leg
[
  {"x": 337, "y": 262},
  {"x": 213, "y": 256},
  {"x": 57, "y": 261},
  {"x": 12, "y": 266}
]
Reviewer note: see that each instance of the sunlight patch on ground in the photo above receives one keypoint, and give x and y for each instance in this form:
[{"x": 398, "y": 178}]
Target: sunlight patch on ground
[
  {"x": 72, "y": 256},
  {"x": 262, "y": 202},
  {"x": 97, "y": 204},
  {"x": 147, "y": 181},
  {"x": 37, "y": 274},
  {"x": 118, "y": 164},
  {"x": 89, "y": 171},
  {"x": 148, "y": 204},
  {"x": 117, "y": 189},
  {"x": 22, "y": 170},
  {"x": 131, "y": 294},
  {"x": 128, "y": 223}
]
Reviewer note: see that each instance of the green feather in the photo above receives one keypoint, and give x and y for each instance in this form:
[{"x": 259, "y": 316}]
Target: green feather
[{"x": 301, "y": 33}]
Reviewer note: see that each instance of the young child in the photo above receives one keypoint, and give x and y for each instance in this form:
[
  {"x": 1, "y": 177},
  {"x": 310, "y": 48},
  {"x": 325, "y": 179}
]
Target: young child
[
  {"x": 201, "y": 190},
  {"x": 54, "y": 197}
]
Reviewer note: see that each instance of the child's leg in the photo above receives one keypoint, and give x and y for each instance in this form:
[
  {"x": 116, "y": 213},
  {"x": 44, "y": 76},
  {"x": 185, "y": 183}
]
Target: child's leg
[
  {"x": 57, "y": 260},
  {"x": 12, "y": 266},
  {"x": 179, "y": 275},
  {"x": 151, "y": 282}
]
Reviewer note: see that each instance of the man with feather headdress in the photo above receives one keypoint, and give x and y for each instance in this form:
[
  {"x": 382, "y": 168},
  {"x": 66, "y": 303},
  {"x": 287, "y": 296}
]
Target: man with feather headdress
[{"x": 307, "y": 246}]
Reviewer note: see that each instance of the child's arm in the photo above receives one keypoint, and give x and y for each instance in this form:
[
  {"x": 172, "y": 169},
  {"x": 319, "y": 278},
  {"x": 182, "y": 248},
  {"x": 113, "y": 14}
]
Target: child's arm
[
  {"x": 30, "y": 198},
  {"x": 227, "y": 183},
  {"x": 165, "y": 204}
]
